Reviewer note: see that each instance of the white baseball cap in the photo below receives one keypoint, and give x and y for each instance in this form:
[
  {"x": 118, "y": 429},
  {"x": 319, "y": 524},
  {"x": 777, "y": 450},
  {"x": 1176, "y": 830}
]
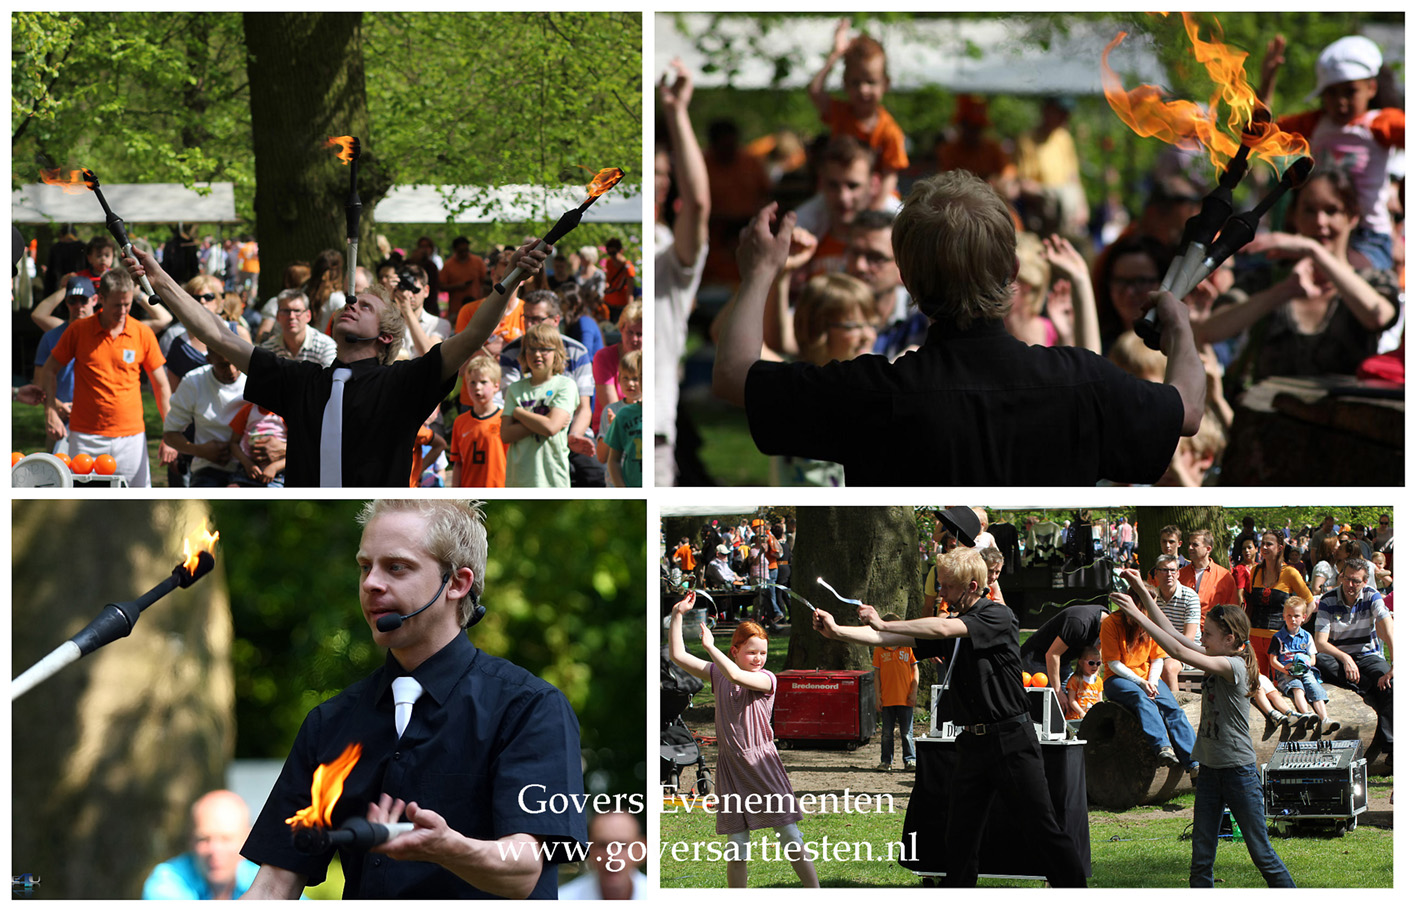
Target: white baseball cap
[{"x": 1347, "y": 59}]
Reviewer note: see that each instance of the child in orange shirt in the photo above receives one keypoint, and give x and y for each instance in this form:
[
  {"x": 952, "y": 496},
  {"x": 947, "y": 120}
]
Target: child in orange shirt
[
  {"x": 896, "y": 679},
  {"x": 862, "y": 115},
  {"x": 1084, "y": 687},
  {"x": 477, "y": 453}
]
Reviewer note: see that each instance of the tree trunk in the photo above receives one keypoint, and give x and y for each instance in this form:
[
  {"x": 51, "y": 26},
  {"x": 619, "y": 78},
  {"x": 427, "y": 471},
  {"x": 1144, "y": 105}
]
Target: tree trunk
[
  {"x": 868, "y": 553},
  {"x": 307, "y": 83},
  {"x": 1152, "y": 518},
  {"x": 110, "y": 752}
]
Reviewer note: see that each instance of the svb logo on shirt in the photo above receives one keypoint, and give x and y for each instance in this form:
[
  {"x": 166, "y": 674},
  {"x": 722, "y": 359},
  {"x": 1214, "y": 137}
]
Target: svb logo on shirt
[{"x": 129, "y": 356}]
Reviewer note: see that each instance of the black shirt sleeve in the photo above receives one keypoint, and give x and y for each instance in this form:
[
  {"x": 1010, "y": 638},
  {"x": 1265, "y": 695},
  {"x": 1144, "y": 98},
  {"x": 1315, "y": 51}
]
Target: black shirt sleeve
[
  {"x": 797, "y": 408},
  {"x": 537, "y": 775},
  {"x": 1141, "y": 426},
  {"x": 270, "y": 839}
]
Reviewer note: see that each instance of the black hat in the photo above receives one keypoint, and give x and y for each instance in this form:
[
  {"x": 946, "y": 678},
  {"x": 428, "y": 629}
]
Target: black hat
[{"x": 961, "y": 521}]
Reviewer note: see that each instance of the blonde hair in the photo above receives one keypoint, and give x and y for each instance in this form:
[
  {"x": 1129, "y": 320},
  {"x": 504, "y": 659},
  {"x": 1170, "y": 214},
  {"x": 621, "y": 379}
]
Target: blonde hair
[
  {"x": 955, "y": 244},
  {"x": 483, "y": 366},
  {"x": 455, "y": 536},
  {"x": 545, "y": 336},
  {"x": 1033, "y": 269},
  {"x": 391, "y": 323},
  {"x": 631, "y": 362},
  {"x": 1136, "y": 358},
  {"x": 633, "y": 313},
  {"x": 961, "y": 565},
  {"x": 827, "y": 299}
]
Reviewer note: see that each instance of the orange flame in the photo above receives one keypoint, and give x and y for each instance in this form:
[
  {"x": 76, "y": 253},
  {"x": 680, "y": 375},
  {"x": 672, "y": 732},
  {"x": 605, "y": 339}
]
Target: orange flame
[
  {"x": 204, "y": 543},
  {"x": 325, "y": 790},
  {"x": 345, "y": 145},
  {"x": 1184, "y": 124},
  {"x": 603, "y": 181},
  {"x": 74, "y": 184}
]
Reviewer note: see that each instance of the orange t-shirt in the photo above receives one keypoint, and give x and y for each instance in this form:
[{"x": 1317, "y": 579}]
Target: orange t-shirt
[
  {"x": 1217, "y": 586},
  {"x": 894, "y": 666},
  {"x": 509, "y": 328},
  {"x": 985, "y": 160},
  {"x": 685, "y": 557},
  {"x": 1114, "y": 648},
  {"x": 476, "y": 447},
  {"x": 415, "y": 470},
  {"x": 472, "y": 271},
  {"x": 619, "y": 282},
  {"x": 886, "y": 139},
  {"x": 108, "y": 398}
]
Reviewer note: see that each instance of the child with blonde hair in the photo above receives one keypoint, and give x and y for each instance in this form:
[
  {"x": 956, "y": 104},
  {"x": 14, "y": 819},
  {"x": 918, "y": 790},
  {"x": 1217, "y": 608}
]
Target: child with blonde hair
[
  {"x": 537, "y": 412},
  {"x": 476, "y": 453},
  {"x": 751, "y": 782}
]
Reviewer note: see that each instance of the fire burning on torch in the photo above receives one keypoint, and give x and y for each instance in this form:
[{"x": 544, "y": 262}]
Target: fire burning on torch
[
  {"x": 1249, "y": 134},
  {"x": 117, "y": 620},
  {"x": 603, "y": 181},
  {"x": 76, "y": 183},
  {"x": 310, "y": 827},
  {"x": 349, "y": 150}
]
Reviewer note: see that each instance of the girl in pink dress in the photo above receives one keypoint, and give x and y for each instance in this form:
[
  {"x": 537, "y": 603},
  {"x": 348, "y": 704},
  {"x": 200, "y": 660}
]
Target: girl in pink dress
[{"x": 751, "y": 783}]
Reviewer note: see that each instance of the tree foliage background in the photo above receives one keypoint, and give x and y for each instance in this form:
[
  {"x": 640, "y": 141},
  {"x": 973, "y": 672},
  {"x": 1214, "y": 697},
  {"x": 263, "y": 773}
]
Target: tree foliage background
[
  {"x": 1102, "y": 140},
  {"x": 565, "y": 600},
  {"x": 453, "y": 98}
]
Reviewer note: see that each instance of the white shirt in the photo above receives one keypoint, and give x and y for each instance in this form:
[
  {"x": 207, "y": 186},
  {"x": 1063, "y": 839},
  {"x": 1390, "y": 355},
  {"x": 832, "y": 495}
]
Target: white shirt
[
  {"x": 211, "y": 405},
  {"x": 675, "y": 286}
]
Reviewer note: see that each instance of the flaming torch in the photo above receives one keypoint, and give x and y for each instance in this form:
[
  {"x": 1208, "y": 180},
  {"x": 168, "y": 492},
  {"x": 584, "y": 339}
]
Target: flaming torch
[
  {"x": 310, "y": 828},
  {"x": 349, "y": 153},
  {"x": 1185, "y": 125},
  {"x": 603, "y": 181},
  {"x": 111, "y": 219},
  {"x": 117, "y": 620}
]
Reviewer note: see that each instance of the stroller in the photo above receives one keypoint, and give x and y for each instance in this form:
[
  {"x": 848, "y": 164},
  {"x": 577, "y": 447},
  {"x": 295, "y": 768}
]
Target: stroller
[{"x": 678, "y": 748}]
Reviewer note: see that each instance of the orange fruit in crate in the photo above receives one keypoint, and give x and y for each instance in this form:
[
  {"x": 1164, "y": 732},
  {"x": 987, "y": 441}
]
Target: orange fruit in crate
[
  {"x": 1040, "y": 680},
  {"x": 15, "y": 457},
  {"x": 64, "y": 456},
  {"x": 105, "y": 464},
  {"x": 1027, "y": 679},
  {"x": 81, "y": 463}
]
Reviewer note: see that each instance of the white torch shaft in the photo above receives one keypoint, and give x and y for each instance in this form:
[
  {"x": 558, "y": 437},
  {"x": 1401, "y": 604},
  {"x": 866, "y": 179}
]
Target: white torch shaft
[
  {"x": 510, "y": 280},
  {"x": 398, "y": 829},
  {"x": 351, "y": 266},
  {"x": 51, "y": 664}
]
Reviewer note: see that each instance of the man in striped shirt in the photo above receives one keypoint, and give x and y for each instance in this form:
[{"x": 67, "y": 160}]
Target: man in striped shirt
[
  {"x": 1182, "y": 607},
  {"x": 1350, "y": 629}
]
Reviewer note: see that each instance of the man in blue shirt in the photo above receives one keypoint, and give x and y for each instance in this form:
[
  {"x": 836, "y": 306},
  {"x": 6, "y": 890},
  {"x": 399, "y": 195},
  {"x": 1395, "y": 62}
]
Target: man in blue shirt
[
  {"x": 486, "y": 762},
  {"x": 214, "y": 868}
]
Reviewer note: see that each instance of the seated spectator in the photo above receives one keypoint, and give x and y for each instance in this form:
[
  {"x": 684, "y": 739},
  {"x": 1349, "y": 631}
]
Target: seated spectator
[
  {"x": 1350, "y": 631},
  {"x": 295, "y": 276},
  {"x": 206, "y": 401},
  {"x": 214, "y": 868},
  {"x": 617, "y": 848},
  {"x": 1324, "y": 317},
  {"x": 719, "y": 573},
  {"x": 292, "y": 336}
]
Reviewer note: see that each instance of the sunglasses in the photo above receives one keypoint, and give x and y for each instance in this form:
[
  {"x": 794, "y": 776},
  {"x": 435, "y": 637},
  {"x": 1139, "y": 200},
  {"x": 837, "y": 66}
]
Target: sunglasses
[{"x": 206, "y": 297}]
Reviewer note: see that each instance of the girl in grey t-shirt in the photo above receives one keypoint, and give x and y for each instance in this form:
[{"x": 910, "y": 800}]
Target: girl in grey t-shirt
[{"x": 1227, "y": 757}]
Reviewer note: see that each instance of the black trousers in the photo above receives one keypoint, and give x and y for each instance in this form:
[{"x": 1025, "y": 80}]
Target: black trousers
[
  {"x": 1371, "y": 668},
  {"x": 1009, "y": 762}
]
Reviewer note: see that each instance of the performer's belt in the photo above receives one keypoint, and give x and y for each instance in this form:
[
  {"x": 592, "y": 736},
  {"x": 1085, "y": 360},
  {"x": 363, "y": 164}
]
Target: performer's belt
[{"x": 994, "y": 726}]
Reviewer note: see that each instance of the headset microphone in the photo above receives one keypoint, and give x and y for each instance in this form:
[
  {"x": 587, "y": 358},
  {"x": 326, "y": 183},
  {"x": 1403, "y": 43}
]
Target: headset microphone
[{"x": 390, "y": 623}]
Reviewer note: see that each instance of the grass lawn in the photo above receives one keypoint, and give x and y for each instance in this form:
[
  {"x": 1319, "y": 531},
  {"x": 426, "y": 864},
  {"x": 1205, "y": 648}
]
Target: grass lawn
[
  {"x": 1141, "y": 848},
  {"x": 27, "y": 433},
  {"x": 728, "y": 451}
]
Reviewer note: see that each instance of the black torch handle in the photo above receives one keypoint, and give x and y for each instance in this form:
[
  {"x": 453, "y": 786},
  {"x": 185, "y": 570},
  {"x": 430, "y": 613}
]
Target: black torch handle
[
  {"x": 568, "y": 221},
  {"x": 114, "y": 223}
]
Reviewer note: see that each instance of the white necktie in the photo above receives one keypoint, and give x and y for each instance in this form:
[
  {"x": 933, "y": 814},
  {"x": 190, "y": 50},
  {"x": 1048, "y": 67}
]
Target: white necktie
[
  {"x": 406, "y": 692},
  {"x": 331, "y": 428}
]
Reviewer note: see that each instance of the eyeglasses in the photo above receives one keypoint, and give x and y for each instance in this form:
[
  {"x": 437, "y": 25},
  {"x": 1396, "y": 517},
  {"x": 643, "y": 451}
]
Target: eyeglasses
[
  {"x": 1166, "y": 571},
  {"x": 541, "y": 319},
  {"x": 289, "y": 312},
  {"x": 1136, "y": 283},
  {"x": 206, "y": 297},
  {"x": 1356, "y": 582}
]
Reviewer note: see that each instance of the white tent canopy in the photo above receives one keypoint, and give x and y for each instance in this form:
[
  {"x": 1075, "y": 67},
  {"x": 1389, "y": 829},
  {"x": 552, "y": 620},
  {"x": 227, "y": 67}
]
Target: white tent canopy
[
  {"x": 37, "y": 204},
  {"x": 987, "y": 56},
  {"x": 431, "y": 203}
]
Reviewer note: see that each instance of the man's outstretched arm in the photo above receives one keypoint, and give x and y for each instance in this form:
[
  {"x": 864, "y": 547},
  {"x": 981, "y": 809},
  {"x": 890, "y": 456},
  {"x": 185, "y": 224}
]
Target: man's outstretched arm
[
  {"x": 1184, "y": 370},
  {"x": 761, "y": 254},
  {"x": 201, "y": 323},
  {"x": 274, "y": 882}
]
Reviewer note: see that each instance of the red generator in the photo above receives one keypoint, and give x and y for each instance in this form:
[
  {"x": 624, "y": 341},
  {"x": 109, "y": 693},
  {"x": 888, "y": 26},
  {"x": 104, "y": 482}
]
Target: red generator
[{"x": 815, "y": 706}]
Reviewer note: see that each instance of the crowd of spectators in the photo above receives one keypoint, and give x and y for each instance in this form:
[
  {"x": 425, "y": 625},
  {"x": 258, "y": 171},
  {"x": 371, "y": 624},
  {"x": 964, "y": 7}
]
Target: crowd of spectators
[
  {"x": 1321, "y": 294},
  {"x": 211, "y": 436}
]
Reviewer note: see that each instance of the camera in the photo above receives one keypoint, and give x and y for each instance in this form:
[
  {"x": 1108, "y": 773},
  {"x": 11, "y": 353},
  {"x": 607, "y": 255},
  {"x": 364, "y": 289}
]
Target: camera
[{"x": 408, "y": 282}]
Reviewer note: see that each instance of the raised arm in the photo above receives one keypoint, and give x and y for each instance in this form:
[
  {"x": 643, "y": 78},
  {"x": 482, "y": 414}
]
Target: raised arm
[
  {"x": 199, "y": 322},
  {"x": 43, "y": 315},
  {"x": 690, "y": 171},
  {"x": 761, "y": 254},
  {"x": 461, "y": 347},
  {"x": 1156, "y": 625},
  {"x": 1184, "y": 371},
  {"x": 927, "y": 627},
  {"x": 817, "y": 89},
  {"x": 756, "y": 680},
  {"x": 826, "y": 624},
  {"x": 677, "y": 652},
  {"x": 1061, "y": 254}
]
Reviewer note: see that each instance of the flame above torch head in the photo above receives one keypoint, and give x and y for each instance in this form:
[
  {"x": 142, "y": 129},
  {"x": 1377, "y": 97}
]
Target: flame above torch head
[
  {"x": 77, "y": 182},
  {"x": 603, "y": 181},
  {"x": 348, "y": 148},
  {"x": 325, "y": 790},
  {"x": 195, "y": 544}
]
